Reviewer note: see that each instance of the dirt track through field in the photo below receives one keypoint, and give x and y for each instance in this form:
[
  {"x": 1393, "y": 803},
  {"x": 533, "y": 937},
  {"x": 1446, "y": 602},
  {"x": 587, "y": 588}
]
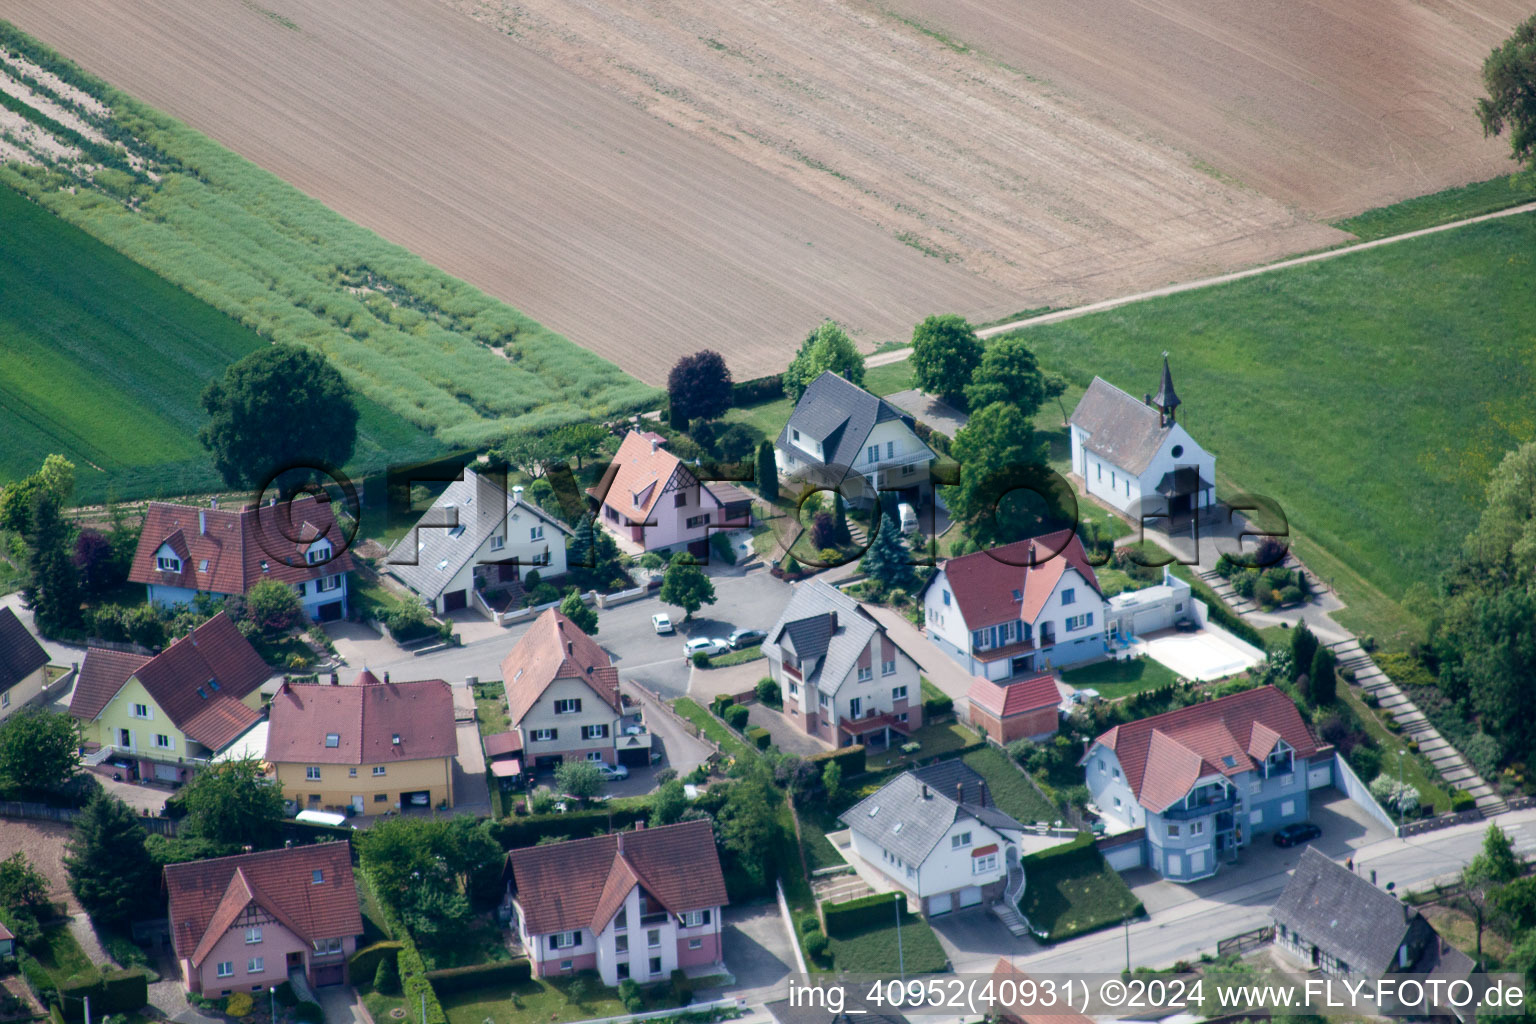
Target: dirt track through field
[{"x": 651, "y": 177}]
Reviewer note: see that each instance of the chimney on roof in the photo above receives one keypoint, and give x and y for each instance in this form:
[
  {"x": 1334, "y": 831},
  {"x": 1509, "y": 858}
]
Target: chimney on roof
[
  {"x": 213, "y": 502},
  {"x": 517, "y": 493},
  {"x": 570, "y": 647},
  {"x": 287, "y": 844},
  {"x": 620, "y": 837},
  {"x": 202, "y": 521},
  {"x": 833, "y": 615},
  {"x": 925, "y": 791},
  {"x": 959, "y": 792},
  {"x": 639, "y": 826},
  {"x": 983, "y": 792},
  {"x": 335, "y": 678},
  {"x": 386, "y": 677},
  {"x": 1032, "y": 562},
  {"x": 655, "y": 442}
]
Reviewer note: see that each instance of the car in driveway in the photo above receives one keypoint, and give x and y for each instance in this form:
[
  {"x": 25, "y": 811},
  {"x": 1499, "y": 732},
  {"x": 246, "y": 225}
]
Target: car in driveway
[
  {"x": 661, "y": 622},
  {"x": 704, "y": 645},
  {"x": 746, "y": 638},
  {"x": 612, "y": 772},
  {"x": 1301, "y": 832}
]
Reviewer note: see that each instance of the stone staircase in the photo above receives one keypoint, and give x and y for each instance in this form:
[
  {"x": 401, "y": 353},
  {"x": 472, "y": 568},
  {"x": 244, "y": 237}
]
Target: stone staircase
[
  {"x": 1006, "y": 910},
  {"x": 1446, "y": 758},
  {"x": 1239, "y": 604}
]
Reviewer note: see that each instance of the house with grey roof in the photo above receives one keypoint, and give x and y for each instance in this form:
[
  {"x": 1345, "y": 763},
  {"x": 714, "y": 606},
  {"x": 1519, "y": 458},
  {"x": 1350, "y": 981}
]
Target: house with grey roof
[
  {"x": 477, "y": 544},
  {"x": 23, "y": 664},
  {"x": 1330, "y": 918},
  {"x": 935, "y": 834},
  {"x": 1135, "y": 455},
  {"x": 843, "y": 678},
  {"x": 841, "y": 433}
]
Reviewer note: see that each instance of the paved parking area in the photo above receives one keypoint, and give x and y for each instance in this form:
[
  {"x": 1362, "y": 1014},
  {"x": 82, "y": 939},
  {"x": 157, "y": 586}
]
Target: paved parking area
[
  {"x": 1210, "y": 653},
  {"x": 974, "y": 938},
  {"x": 787, "y": 733},
  {"x": 758, "y": 952},
  {"x": 470, "y": 792}
]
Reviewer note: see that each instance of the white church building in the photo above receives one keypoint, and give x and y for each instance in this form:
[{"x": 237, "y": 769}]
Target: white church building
[{"x": 1133, "y": 454}]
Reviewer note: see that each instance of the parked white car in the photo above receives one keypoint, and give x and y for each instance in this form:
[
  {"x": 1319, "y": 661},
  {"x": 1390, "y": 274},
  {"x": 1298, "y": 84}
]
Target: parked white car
[
  {"x": 613, "y": 772},
  {"x": 661, "y": 622},
  {"x": 706, "y": 645}
]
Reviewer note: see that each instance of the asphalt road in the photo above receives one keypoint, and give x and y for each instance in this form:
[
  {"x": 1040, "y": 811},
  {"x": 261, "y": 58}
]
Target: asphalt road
[{"x": 751, "y": 600}]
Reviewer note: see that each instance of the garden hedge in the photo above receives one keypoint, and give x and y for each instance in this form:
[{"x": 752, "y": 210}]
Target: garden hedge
[
  {"x": 846, "y": 919},
  {"x": 504, "y": 973},
  {"x": 757, "y": 390},
  {"x": 516, "y": 833},
  {"x": 414, "y": 984},
  {"x": 1083, "y": 846},
  {"x": 108, "y": 991},
  {"x": 366, "y": 960},
  {"x": 851, "y": 759},
  {"x": 943, "y": 704},
  {"x": 759, "y": 736}
]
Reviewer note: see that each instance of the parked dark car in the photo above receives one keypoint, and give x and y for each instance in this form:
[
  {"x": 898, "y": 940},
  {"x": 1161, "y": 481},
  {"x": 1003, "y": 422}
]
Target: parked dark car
[
  {"x": 746, "y": 638},
  {"x": 1301, "y": 832}
]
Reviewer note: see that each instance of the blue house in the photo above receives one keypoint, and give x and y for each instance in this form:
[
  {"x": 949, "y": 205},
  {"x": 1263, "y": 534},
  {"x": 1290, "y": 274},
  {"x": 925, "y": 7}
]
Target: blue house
[{"x": 1204, "y": 780}]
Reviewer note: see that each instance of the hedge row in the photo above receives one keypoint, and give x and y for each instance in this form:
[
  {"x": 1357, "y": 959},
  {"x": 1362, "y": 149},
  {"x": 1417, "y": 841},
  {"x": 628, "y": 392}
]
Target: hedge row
[
  {"x": 414, "y": 982},
  {"x": 851, "y": 759},
  {"x": 516, "y": 833},
  {"x": 1081, "y": 846},
  {"x": 880, "y": 775},
  {"x": 757, "y": 390},
  {"x": 936, "y": 702},
  {"x": 108, "y": 991},
  {"x": 452, "y": 980},
  {"x": 759, "y": 736},
  {"x": 846, "y": 919},
  {"x": 366, "y": 960}
]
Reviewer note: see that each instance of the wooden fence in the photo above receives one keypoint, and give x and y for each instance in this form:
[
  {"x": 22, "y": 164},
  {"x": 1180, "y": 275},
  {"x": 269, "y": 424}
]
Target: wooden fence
[
  {"x": 67, "y": 815},
  {"x": 1245, "y": 942}
]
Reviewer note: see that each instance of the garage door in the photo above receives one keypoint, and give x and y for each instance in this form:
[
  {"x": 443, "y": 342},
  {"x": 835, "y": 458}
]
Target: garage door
[
  {"x": 940, "y": 904},
  {"x": 1320, "y": 776},
  {"x": 167, "y": 772},
  {"x": 970, "y": 896},
  {"x": 1149, "y": 622},
  {"x": 455, "y": 600},
  {"x": 332, "y": 975},
  {"x": 1124, "y": 858},
  {"x": 329, "y": 612}
]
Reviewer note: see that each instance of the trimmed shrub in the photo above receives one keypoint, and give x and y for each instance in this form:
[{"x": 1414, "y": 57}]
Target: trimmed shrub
[
  {"x": 1366, "y": 761},
  {"x": 239, "y": 1004},
  {"x": 451, "y": 980},
  {"x": 700, "y": 659},
  {"x": 1461, "y": 800},
  {"x": 936, "y": 702},
  {"x": 809, "y": 923},
  {"x": 850, "y": 758},
  {"x": 515, "y": 833},
  {"x": 815, "y": 945},
  {"x": 736, "y": 717},
  {"x": 768, "y": 691},
  {"x": 844, "y": 919},
  {"x": 682, "y": 991},
  {"x": 286, "y": 996},
  {"x": 365, "y": 962},
  {"x": 387, "y": 978},
  {"x": 759, "y": 736},
  {"x": 629, "y": 995},
  {"x": 720, "y": 703}
]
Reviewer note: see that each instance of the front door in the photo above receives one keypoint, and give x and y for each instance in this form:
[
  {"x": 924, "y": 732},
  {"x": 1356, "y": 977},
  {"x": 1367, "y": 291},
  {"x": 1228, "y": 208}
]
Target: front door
[
  {"x": 357, "y": 804},
  {"x": 125, "y": 738},
  {"x": 854, "y": 707}
]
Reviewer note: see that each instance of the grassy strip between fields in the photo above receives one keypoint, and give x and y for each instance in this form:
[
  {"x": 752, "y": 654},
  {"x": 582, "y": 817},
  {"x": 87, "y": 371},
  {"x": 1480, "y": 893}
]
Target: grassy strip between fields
[
  {"x": 1438, "y": 208},
  {"x": 714, "y": 729},
  {"x": 1115, "y": 679}
]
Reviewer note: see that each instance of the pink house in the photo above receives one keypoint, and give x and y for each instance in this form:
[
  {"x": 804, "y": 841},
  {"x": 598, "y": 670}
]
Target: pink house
[
  {"x": 649, "y": 499},
  {"x": 635, "y": 904},
  {"x": 242, "y": 923}
]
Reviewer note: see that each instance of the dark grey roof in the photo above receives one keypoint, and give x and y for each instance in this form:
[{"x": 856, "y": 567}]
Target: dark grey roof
[
  {"x": 806, "y": 621},
  {"x": 1118, "y": 427},
  {"x": 908, "y": 818},
  {"x": 1343, "y": 914},
  {"x": 840, "y": 415},
  {"x": 1166, "y": 398},
  {"x": 784, "y": 1013},
  {"x": 1183, "y": 480},
  {"x": 954, "y": 778},
  {"x": 20, "y": 653},
  {"x": 481, "y": 506}
]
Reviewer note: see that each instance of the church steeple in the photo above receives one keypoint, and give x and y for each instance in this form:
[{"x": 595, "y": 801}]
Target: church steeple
[{"x": 1167, "y": 400}]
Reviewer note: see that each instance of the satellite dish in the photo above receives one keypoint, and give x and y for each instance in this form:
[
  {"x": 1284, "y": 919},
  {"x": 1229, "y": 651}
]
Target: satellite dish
[{"x": 1391, "y": 886}]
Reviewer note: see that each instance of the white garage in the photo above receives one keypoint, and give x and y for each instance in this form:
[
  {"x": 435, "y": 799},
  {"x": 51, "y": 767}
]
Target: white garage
[
  {"x": 1135, "y": 613},
  {"x": 941, "y": 904},
  {"x": 1320, "y": 775},
  {"x": 1124, "y": 858},
  {"x": 970, "y": 896}
]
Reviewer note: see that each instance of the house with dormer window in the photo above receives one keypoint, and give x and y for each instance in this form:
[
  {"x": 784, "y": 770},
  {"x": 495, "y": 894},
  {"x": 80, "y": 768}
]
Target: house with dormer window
[
  {"x": 167, "y": 716},
  {"x": 651, "y": 500},
  {"x": 563, "y": 695},
  {"x": 1014, "y": 611},
  {"x": 1204, "y": 780},
  {"x": 631, "y": 906},
  {"x": 187, "y": 550},
  {"x": 844, "y": 679},
  {"x": 839, "y": 431}
]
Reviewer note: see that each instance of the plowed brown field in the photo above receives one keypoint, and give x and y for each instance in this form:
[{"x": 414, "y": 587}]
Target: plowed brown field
[{"x": 653, "y": 176}]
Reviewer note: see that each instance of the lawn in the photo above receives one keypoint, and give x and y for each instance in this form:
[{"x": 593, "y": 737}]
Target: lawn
[
  {"x": 1417, "y": 772},
  {"x": 534, "y": 1000},
  {"x": 433, "y": 350},
  {"x": 1075, "y": 893},
  {"x": 104, "y": 363},
  {"x": 1438, "y": 208},
  {"x": 876, "y": 951},
  {"x": 815, "y": 823},
  {"x": 933, "y": 739},
  {"x": 1120, "y": 678},
  {"x": 61, "y": 955},
  {"x": 740, "y": 657},
  {"x": 491, "y": 710},
  {"x": 1009, "y": 789},
  {"x": 714, "y": 729},
  {"x": 379, "y": 1005},
  {"x": 1374, "y": 469}
]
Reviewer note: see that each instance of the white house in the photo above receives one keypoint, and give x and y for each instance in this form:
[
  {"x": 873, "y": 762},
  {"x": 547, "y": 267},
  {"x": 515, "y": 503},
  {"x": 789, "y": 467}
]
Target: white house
[
  {"x": 1135, "y": 455},
  {"x": 839, "y": 432},
  {"x": 1019, "y": 609},
  {"x": 477, "y": 539},
  {"x": 935, "y": 834},
  {"x": 844, "y": 679}
]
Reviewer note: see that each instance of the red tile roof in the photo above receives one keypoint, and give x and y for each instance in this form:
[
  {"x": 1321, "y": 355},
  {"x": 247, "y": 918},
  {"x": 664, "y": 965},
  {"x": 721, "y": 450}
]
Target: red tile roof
[
  {"x": 1019, "y": 994},
  {"x": 1004, "y": 700},
  {"x": 208, "y": 896},
  {"x": 555, "y": 648},
  {"x": 241, "y": 547},
  {"x": 984, "y": 582},
  {"x": 641, "y": 469},
  {"x": 198, "y": 682},
  {"x": 503, "y": 743},
  {"x": 1164, "y": 755},
  {"x": 366, "y": 718},
  {"x": 581, "y": 883}
]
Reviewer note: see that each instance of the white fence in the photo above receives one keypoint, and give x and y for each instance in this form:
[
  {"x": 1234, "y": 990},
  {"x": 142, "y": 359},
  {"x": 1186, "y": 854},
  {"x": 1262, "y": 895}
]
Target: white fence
[
  {"x": 1344, "y": 778},
  {"x": 789, "y": 925}
]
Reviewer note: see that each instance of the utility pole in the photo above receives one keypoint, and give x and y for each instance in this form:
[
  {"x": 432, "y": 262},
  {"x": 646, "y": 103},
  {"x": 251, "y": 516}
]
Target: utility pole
[
  {"x": 901, "y": 957},
  {"x": 1400, "y": 752},
  {"x": 273, "y": 990},
  {"x": 1127, "y": 942}
]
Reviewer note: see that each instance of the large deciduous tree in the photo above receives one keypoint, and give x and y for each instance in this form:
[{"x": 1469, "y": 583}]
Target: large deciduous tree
[
  {"x": 39, "y": 750},
  {"x": 826, "y": 348},
  {"x": 1495, "y": 865},
  {"x": 579, "y": 779},
  {"x": 1509, "y": 74},
  {"x": 282, "y": 406},
  {"x": 234, "y": 803},
  {"x": 274, "y": 606},
  {"x": 578, "y": 441},
  {"x": 53, "y": 589},
  {"x": 698, "y": 388},
  {"x": 1008, "y": 373},
  {"x": 110, "y": 870},
  {"x": 575, "y": 609},
  {"x": 1000, "y": 459},
  {"x": 945, "y": 354},
  {"x": 685, "y": 585}
]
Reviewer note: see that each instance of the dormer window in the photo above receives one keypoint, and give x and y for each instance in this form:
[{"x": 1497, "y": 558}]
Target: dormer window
[
  {"x": 213, "y": 684},
  {"x": 1018, "y": 595},
  {"x": 265, "y": 567},
  {"x": 168, "y": 563},
  {"x": 395, "y": 739},
  {"x": 318, "y": 552}
]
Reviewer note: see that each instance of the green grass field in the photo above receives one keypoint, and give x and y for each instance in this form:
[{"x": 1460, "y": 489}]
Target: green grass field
[
  {"x": 104, "y": 362},
  {"x": 1439, "y": 208},
  {"x": 1120, "y": 678},
  {"x": 876, "y": 950},
  {"x": 1370, "y": 394},
  {"x": 1008, "y": 788},
  {"x": 428, "y": 347},
  {"x": 1072, "y": 895}
]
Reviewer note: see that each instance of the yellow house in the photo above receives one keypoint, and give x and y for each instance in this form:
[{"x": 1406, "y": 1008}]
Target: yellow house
[
  {"x": 167, "y": 715},
  {"x": 370, "y": 747},
  {"x": 23, "y": 664}
]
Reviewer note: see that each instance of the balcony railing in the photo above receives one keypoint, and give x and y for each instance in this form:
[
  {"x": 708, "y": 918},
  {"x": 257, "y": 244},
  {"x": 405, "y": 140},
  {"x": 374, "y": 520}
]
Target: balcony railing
[
  {"x": 899, "y": 459},
  {"x": 1179, "y": 812}
]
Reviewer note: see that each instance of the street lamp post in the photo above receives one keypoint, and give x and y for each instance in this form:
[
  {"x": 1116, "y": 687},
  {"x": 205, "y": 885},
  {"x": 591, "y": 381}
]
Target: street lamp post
[
  {"x": 1400, "y": 752},
  {"x": 1127, "y": 941},
  {"x": 901, "y": 957}
]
